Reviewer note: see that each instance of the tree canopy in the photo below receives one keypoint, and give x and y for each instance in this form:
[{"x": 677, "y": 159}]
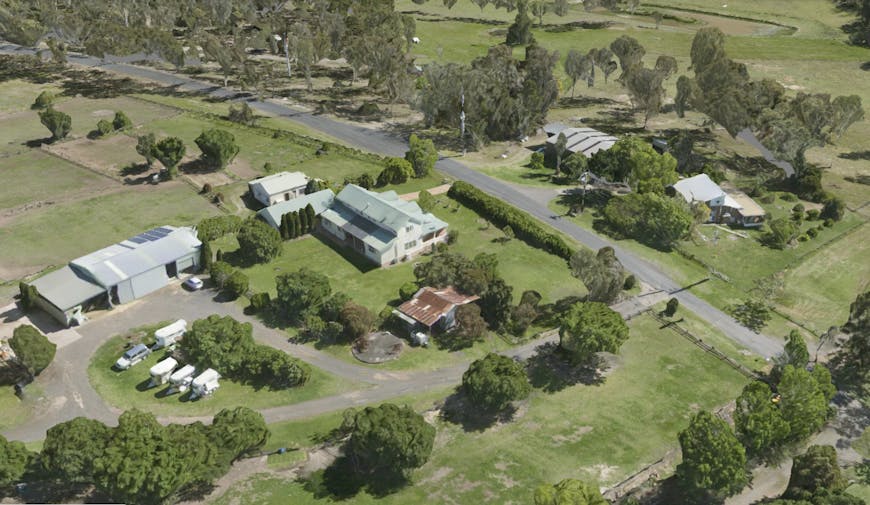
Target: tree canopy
[
  {"x": 259, "y": 242},
  {"x": 14, "y": 460},
  {"x": 422, "y": 155},
  {"x": 33, "y": 350},
  {"x": 714, "y": 462},
  {"x": 591, "y": 327},
  {"x": 803, "y": 403},
  {"x": 301, "y": 291},
  {"x": 815, "y": 472},
  {"x": 57, "y": 122},
  {"x": 70, "y": 449},
  {"x": 169, "y": 151},
  {"x": 758, "y": 421},
  {"x": 218, "y": 147},
  {"x": 494, "y": 381},
  {"x": 656, "y": 220},
  {"x": 633, "y": 160},
  {"x": 601, "y": 272},
  {"x": 388, "y": 439}
]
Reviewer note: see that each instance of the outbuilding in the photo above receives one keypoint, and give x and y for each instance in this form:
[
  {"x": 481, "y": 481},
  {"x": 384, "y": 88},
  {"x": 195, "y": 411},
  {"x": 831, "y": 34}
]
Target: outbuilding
[{"x": 279, "y": 187}]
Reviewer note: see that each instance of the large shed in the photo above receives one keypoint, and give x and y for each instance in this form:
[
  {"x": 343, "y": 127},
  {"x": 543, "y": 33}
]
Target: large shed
[{"x": 119, "y": 273}]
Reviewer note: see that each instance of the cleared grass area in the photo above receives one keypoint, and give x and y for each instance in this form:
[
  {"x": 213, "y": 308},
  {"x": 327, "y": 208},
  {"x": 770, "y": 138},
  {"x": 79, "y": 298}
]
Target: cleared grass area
[
  {"x": 127, "y": 389},
  {"x": 17, "y": 95},
  {"x": 37, "y": 176},
  {"x": 13, "y": 411},
  {"x": 54, "y": 235},
  {"x": 588, "y": 432}
]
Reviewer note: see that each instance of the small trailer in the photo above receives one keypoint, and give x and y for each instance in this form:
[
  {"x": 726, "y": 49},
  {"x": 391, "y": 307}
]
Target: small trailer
[
  {"x": 205, "y": 384},
  {"x": 169, "y": 335},
  {"x": 161, "y": 372},
  {"x": 180, "y": 379}
]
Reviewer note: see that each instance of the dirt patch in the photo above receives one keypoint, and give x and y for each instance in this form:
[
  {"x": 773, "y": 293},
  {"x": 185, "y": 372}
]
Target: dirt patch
[
  {"x": 377, "y": 347},
  {"x": 559, "y": 440},
  {"x": 243, "y": 169},
  {"x": 437, "y": 476},
  {"x": 216, "y": 179},
  {"x": 106, "y": 156},
  {"x": 320, "y": 458}
]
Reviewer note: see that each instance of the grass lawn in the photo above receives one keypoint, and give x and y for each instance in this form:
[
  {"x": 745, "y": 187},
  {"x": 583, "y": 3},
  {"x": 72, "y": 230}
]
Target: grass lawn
[
  {"x": 14, "y": 411},
  {"x": 375, "y": 287},
  {"x": 56, "y": 234},
  {"x": 40, "y": 176},
  {"x": 588, "y": 432},
  {"x": 126, "y": 389},
  {"x": 17, "y": 95}
]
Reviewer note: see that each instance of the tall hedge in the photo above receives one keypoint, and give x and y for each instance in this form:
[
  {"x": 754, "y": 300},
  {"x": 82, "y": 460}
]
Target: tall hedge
[
  {"x": 212, "y": 228},
  {"x": 524, "y": 226}
]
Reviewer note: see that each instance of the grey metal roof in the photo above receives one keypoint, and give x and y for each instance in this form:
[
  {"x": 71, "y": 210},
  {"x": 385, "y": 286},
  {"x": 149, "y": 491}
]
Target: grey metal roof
[
  {"x": 386, "y": 209},
  {"x": 320, "y": 201},
  {"x": 116, "y": 263},
  {"x": 699, "y": 188},
  {"x": 584, "y": 140},
  {"x": 360, "y": 227},
  {"x": 280, "y": 182},
  {"x": 66, "y": 288}
]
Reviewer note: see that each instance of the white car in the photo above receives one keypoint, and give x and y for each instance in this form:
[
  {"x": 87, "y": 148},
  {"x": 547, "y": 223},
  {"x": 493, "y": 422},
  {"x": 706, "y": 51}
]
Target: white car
[
  {"x": 193, "y": 283},
  {"x": 133, "y": 355}
]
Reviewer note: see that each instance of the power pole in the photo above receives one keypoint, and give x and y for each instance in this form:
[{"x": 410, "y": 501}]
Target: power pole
[{"x": 462, "y": 120}]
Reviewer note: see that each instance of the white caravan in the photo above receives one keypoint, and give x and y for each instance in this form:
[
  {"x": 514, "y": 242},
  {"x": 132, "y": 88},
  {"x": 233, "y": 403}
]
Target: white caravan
[
  {"x": 181, "y": 379},
  {"x": 169, "y": 335},
  {"x": 161, "y": 372},
  {"x": 205, "y": 384}
]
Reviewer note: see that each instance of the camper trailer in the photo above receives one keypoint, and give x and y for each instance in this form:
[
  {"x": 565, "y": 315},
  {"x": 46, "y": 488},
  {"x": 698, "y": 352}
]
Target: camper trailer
[
  {"x": 180, "y": 380},
  {"x": 161, "y": 372},
  {"x": 205, "y": 384},
  {"x": 169, "y": 335}
]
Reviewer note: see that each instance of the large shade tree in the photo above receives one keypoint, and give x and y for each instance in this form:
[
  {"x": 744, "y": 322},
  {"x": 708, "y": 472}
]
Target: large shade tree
[
  {"x": 591, "y": 327},
  {"x": 495, "y": 381},
  {"x": 33, "y": 350},
  {"x": 388, "y": 440},
  {"x": 714, "y": 461}
]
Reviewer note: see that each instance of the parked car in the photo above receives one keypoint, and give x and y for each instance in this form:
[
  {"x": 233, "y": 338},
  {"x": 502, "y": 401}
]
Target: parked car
[
  {"x": 193, "y": 283},
  {"x": 133, "y": 356}
]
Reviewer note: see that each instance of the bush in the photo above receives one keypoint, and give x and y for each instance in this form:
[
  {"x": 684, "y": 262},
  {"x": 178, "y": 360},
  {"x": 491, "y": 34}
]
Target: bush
[
  {"x": 258, "y": 242},
  {"x": 236, "y": 284},
  {"x": 121, "y": 122},
  {"x": 525, "y": 227},
  {"x": 813, "y": 214},
  {"x": 259, "y": 302},
  {"x": 788, "y": 197},
  {"x": 206, "y": 189},
  {"x": 452, "y": 236},
  {"x": 241, "y": 114},
  {"x": 768, "y": 198},
  {"x": 218, "y": 147},
  {"x": 396, "y": 171},
  {"x": 834, "y": 208},
  {"x": 212, "y": 228},
  {"x": 407, "y": 291},
  {"x": 219, "y": 272},
  {"x": 32, "y": 349},
  {"x": 803, "y": 238},
  {"x": 537, "y": 161},
  {"x": 43, "y": 101},
  {"x": 104, "y": 128},
  {"x": 630, "y": 282},
  {"x": 812, "y": 232},
  {"x": 798, "y": 208},
  {"x": 828, "y": 223},
  {"x": 782, "y": 231}
]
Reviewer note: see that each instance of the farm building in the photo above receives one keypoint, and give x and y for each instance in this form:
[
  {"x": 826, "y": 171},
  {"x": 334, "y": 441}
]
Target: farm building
[
  {"x": 587, "y": 141},
  {"x": 726, "y": 207},
  {"x": 319, "y": 201},
  {"x": 279, "y": 187},
  {"x": 119, "y": 273},
  {"x": 381, "y": 226},
  {"x": 432, "y": 308}
]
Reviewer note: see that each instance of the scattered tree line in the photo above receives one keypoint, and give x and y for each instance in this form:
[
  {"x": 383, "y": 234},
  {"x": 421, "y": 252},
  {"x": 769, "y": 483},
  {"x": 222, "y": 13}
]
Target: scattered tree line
[{"x": 140, "y": 461}]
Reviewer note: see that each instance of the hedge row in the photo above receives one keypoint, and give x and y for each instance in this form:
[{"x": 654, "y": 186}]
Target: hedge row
[
  {"x": 524, "y": 226},
  {"x": 212, "y": 228}
]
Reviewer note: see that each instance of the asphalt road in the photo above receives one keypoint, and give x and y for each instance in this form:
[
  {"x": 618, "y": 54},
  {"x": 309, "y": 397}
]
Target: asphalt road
[{"x": 388, "y": 144}]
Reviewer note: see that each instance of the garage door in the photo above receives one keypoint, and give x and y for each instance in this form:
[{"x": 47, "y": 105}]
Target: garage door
[{"x": 185, "y": 263}]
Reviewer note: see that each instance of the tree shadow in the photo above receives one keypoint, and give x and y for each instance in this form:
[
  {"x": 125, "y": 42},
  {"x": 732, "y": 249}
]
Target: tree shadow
[
  {"x": 551, "y": 370},
  {"x": 457, "y": 409},
  {"x": 145, "y": 385},
  {"x": 340, "y": 481},
  {"x": 350, "y": 256},
  {"x": 865, "y": 66},
  {"x": 196, "y": 166},
  {"x": 195, "y": 492},
  {"x": 582, "y": 102},
  {"x": 617, "y": 121},
  {"x": 135, "y": 169},
  {"x": 97, "y": 84},
  {"x": 37, "y": 143},
  {"x": 856, "y": 155}
]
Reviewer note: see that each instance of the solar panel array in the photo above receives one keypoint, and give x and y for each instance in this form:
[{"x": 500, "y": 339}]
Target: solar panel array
[{"x": 151, "y": 235}]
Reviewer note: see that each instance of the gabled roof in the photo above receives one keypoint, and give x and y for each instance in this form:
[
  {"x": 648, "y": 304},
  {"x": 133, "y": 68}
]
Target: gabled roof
[
  {"x": 387, "y": 210},
  {"x": 430, "y": 304},
  {"x": 136, "y": 255},
  {"x": 320, "y": 201},
  {"x": 584, "y": 140},
  {"x": 279, "y": 183},
  {"x": 65, "y": 288},
  {"x": 554, "y": 128},
  {"x": 699, "y": 188}
]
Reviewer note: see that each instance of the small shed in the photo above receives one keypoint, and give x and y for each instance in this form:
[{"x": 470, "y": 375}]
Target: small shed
[
  {"x": 279, "y": 187},
  {"x": 432, "y": 308}
]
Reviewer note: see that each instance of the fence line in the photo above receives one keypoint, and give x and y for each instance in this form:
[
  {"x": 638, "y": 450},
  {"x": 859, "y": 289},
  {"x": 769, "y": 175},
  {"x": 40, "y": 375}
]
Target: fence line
[{"x": 707, "y": 347}]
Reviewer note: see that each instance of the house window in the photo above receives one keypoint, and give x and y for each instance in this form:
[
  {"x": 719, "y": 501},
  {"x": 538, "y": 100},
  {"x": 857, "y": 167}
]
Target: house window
[
  {"x": 286, "y": 196},
  {"x": 409, "y": 228},
  {"x": 371, "y": 249},
  {"x": 411, "y": 244}
]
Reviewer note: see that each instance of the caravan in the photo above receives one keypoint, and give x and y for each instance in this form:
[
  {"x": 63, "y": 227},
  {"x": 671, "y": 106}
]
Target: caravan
[
  {"x": 161, "y": 372},
  {"x": 169, "y": 335},
  {"x": 180, "y": 380},
  {"x": 205, "y": 384}
]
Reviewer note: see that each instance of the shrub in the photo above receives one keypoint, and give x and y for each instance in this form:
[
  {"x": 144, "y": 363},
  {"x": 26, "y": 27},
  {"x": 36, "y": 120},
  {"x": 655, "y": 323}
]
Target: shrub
[
  {"x": 218, "y": 198},
  {"x": 104, "y": 128},
  {"x": 813, "y": 214},
  {"x": 212, "y": 228},
  {"x": 259, "y": 301},
  {"x": 58, "y": 123},
  {"x": 241, "y": 113},
  {"x": 812, "y": 232},
  {"x": 782, "y": 231},
  {"x": 537, "y": 161},
  {"x": 828, "y": 223},
  {"x": 834, "y": 208},
  {"x": 788, "y": 197},
  {"x": 218, "y": 147},
  {"x": 236, "y": 284},
  {"x": 43, "y": 101},
  {"x": 258, "y": 242},
  {"x": 396, "y": 171},
  {"x": 803, "y": 238},
  {"x": 768, "y": 198},
  {"x": 798, "y": 208},
  {"x": 121, "y": 122},
  {"x": 525, "y": 227},
  {"x": 630, "y": 282},
  {"x": 28, "y": 295},
  {"x": 407, "y": 291},
  {"x": 219, "y": 272},
  {"x": 206, "y": 189},
  {"x": 452, "y": 236}
]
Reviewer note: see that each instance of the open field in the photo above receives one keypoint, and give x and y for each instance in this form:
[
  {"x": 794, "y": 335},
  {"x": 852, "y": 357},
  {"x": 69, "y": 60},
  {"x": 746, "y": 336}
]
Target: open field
[
  {"x": 56, "y": 234},
  {"x": 15, "y": 97},
  {"x": 127, "y": 389},
  {"x": 40, "y": 176},
  {"x": 588, "y": 432}
]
